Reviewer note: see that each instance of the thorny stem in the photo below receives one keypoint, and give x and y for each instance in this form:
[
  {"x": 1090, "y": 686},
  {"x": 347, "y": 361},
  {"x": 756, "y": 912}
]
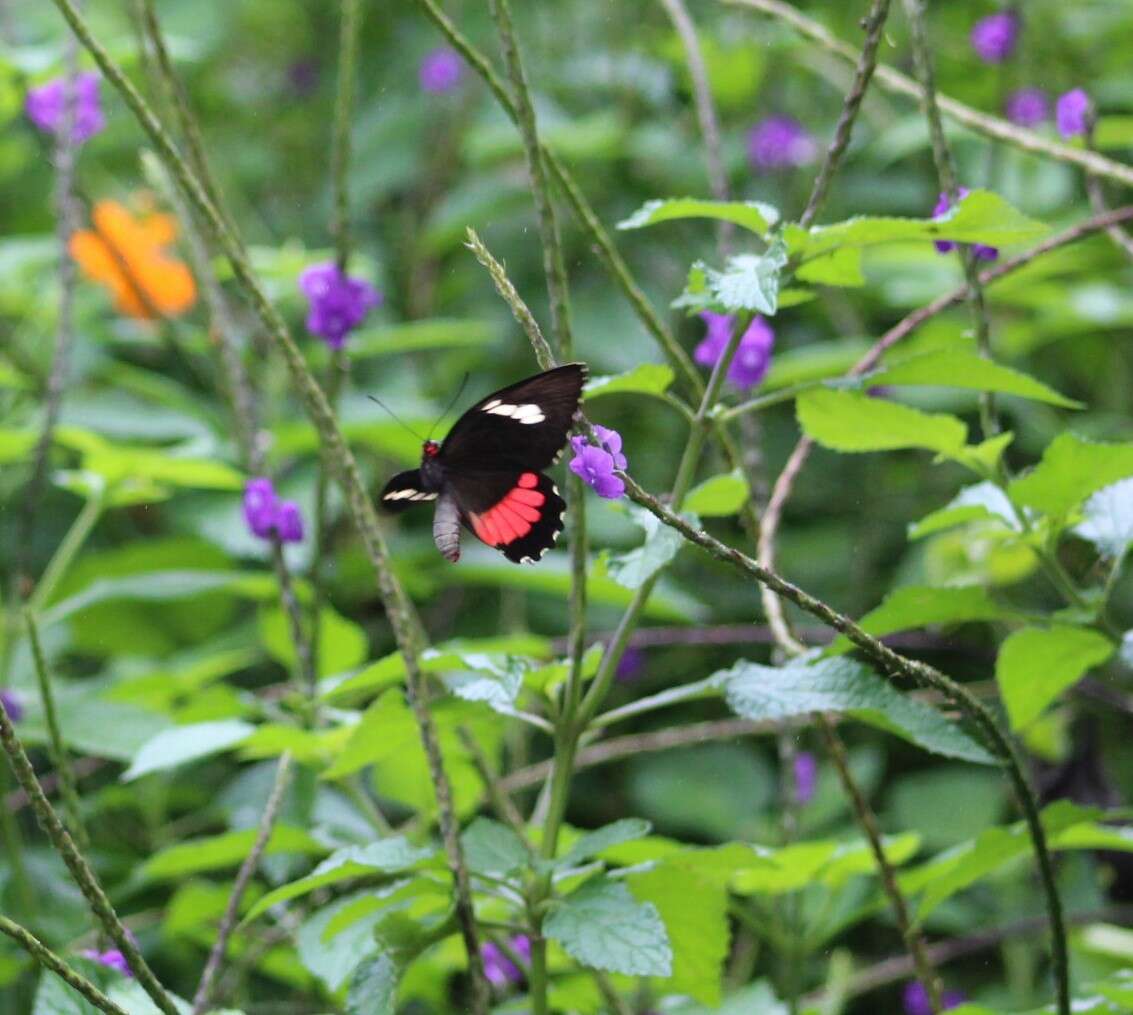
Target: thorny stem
[
  {"x": 403, "y": 619},
  {"x": 946, "y": 173},
  {"x": 240, "y": 885},
  {"x": 891, "y": 664},
  {"x": 80, "y": 870},
  {"x": 58, "y": 749},
  {"x": 52, "y": 962},
  {"x": 990, "y": 126}
]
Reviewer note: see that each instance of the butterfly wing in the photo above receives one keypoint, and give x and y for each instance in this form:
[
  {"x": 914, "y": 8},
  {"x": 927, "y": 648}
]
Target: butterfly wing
[
  {"x": 405, "y": 490},
  {"x": 519, "y": 428},
  {"x": 519, "y": 514}
]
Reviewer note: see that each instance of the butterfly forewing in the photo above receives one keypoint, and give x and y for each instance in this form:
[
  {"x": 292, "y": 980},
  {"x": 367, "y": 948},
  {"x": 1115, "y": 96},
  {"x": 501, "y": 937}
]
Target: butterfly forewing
[
  {"x": 521, "y": 427},
  {"x": 405, "y": 490}
]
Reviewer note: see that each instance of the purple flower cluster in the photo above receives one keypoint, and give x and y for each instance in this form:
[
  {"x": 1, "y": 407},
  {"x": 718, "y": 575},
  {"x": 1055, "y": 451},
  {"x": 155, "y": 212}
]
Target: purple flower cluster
[
  {"x": 753, "y": 357},
  {"x": 1072, "y": 113},
  {"x": 12, "y": 703},
  {"x": 595, "y": 464},
  {"x": 46, "y": 106},
  {"x": 112, "y": 959},
  {"x": 498, "y": 968},
  {"x": 1027, "y": 107},
  {"x": 780, "y": 142},
  {"x": 915, "y": 999},
  {"x": 266, "y": 515},
  {"x": 806, "y": 777},
  {"x": 440, "y": 71},
  {"x": 994, "y": 38},
  {"x": 339, "y": 303},
  {"x": 942, "y": 207}
]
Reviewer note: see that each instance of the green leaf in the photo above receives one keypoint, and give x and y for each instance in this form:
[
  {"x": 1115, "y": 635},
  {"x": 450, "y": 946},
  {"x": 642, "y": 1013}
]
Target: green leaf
[
  {"x": 815, "y": 361},
  {"x": 749, "y": 282},
  {"x": 956, "y": 368},
  {"x": 227, "y": 850},
  {"x": 418, "y": 336},
  {"x": 1108, "y": 519},
  {"x": 754, "y": 216},
  {"x": 915, "y": 606},
  {"x": 386, "y": 856},
  {"x": 694, "y": 910},
  {"x": 373, "y": 986},
  {"x": 841, "y": 267},
  {"x": 823, "y": 861},
  {"x": 632, "y": 569},
  {"x": 181, "y": 744},
  {"x": 1071, "y": 469},
  {"x": 604, "y": 927},
  {"x": 981, "y": 502},
  {"x": 493, "y": 848},
  {"x": 643, "y": 379},
  {"x": 342, "y": 643},
  {"x": 849, "y": 421},
  {"x": 846, "y": 686},
  {"x": 1036, "y": 665},
  {"x": 718, "y": 496},
  {"x": 116, "y": 463},
  {"x": 493, "y": 681},
  {"x": 593, "y": 843}
]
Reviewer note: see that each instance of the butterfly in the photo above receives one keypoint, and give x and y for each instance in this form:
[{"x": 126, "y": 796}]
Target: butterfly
[{"x": 487, "y": 473}]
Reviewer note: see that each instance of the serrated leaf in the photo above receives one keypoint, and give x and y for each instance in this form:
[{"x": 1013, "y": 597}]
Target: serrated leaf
[
  {"x": 754, "y": 216},
  {"x": 373, "y": 986},
  {"x": 824, "y": 861},
  {"x": 604, "y": 927},
  {"x": 841, "y": 267},
  {"x": 643, "y": 379},
  {"x": 386, "y": 856},
  {"x": 956, "y": 368},
  {"x": 981, "y": 502},
  {"x": 1037, "y": 664},
  {"x": 332, "y": 957},
  {"x": 493, "y": 848},
  {"x": 1108, "y": 521},
  {"x": 593, "y": 843},
  {"x": 494, "y": 681},
  {"x": 849, "y": 421},
  {"x": 1071, "y": 469},
  {"x": 749, "y": 282},
  {"x": 843, "y": 685},
  {"x": 916, "y": 606},
  {"x": 183, "y": 744},
  {"x": 226, "y": 850},
  {"x": 718, "y": 496},
  {"x": 632, "y": 569}
]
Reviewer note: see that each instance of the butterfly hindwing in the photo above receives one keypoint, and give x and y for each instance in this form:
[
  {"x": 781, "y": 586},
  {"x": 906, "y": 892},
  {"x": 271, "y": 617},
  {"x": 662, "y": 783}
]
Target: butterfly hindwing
[
  {"x": 519, "y": 514},
  {"x": 520, "y": 427},
  {"x": 405, "y": 490}
]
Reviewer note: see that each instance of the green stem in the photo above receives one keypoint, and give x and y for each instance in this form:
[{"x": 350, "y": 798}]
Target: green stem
[
  {"x": 65, "y": 553},
  {"x": 343, "y": 114},
  {"x": 57, "y": 748},
  {"x": 762, "y": 402},
  {"x": 52, "y": 962},
  {"x": 306, "y": 666}
]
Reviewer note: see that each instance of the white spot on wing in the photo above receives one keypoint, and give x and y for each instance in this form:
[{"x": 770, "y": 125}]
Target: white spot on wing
[
  {"x": 408, "y": 492},
  {"x": 528, "y": 413}
]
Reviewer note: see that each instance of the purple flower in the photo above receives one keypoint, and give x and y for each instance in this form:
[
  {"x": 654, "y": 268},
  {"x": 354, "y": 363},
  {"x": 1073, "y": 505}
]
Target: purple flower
[
  {"x": 12, "y": 703},
  {"x": 779, "y": 142},
  {"x": 943, "y": 206},
  {"x": 45, "y": 106},
  {"x": 630, "y": 665},
  {"x": 753, "y": 356},
  {"x": 1072, "y": 113},
  {"x": 266, "y": 515},
  {"x": 440, "y": 71},
  {"x": 994, "y": 37},
  {"x": 112, "y": 959},
  {"x": 595, "y": 465},
  {"x": 1027, "y": 107},
  {"x": 339, "y": 303},
  {"x": 806, "y": 777},
  {"x": 498, "y": 968},
  {"x": 915, "y": 999}
]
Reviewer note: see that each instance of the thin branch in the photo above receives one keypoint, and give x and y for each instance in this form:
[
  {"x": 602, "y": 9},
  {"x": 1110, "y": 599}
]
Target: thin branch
[
  {"x": 403, "y": 619},
  {"x": 1096, "y": 193},
  {"x": 57, "y": 749},
  {"x": 240, "y": 886},
  {"x": 874, "y": 26},
  {"x": 50, "y": 961},
  {"x": 306, "y": 664},
  {"x": 990, "y": 126},
  {"x": 80, "y": 870}
]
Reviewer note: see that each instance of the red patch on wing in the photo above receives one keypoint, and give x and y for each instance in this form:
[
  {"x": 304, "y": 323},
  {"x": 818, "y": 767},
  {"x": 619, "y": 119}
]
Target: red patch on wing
[{"x": 513, "y": 517}]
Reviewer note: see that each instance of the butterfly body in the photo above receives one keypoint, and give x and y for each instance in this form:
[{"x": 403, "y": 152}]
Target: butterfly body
[{"x": 487, "y": 474}]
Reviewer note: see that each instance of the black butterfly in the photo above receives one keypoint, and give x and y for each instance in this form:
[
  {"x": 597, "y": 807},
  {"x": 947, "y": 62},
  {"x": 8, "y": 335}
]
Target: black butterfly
[{"x": 487, "y": 473}]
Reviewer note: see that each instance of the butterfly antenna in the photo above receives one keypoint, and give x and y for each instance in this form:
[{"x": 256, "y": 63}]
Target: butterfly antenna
[
  {"x": 378, "y": 401},
  {"x": 451, "y": 403}
]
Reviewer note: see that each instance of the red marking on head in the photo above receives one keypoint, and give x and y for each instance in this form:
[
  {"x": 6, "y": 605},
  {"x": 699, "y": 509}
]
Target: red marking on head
[{"x": 431, "y": 449}]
